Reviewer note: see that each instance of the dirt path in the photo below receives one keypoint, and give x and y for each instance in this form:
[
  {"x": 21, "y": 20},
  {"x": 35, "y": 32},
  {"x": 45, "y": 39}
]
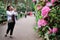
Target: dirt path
[{"x": 23, "y": 30}]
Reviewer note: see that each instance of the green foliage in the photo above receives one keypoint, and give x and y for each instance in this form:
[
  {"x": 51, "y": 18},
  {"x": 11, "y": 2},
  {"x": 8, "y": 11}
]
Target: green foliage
[
  {"x": 2, "y": 12},
  {"x": 21, "y": 7}
]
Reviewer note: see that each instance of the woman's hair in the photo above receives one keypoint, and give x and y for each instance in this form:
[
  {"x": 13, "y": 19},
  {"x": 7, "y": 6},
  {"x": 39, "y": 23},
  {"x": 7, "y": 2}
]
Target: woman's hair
[{"x": 8, "y": 7}]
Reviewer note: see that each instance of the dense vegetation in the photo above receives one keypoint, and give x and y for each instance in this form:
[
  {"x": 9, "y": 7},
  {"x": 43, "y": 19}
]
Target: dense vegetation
[{"x": 20, "y": 5}]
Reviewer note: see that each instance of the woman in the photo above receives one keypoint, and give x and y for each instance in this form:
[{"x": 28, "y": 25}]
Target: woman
[
  {"x": 25, "y": 14},
  {"x": 11, "y": 20}
]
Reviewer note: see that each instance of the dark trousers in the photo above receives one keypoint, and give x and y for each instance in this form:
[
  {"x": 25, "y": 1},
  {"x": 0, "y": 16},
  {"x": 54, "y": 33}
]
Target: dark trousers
[
  {"x": 25, "y": 16},
  {"x": 10, "y": 28}
]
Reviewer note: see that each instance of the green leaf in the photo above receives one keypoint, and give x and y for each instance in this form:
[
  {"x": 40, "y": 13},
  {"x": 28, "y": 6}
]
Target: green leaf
[{"x": 36, "y": 27}]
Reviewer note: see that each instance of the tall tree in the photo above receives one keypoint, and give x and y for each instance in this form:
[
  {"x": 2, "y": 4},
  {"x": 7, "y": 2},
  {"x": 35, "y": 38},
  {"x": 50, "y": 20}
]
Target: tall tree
[
  {"x": 16, "y": 1},
  {"x": 9, "y": 2},
  {"x": 4, "y": 1}
]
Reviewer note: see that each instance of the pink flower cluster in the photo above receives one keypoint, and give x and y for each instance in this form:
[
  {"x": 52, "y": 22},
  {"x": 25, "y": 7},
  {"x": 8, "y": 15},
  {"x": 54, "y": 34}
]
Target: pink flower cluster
[
  {"x": 54, "y": 30},
  {"x": 44, "y": 13},
  {"x": 52, "y": 1},
  {"x": 41, "y": 23},
  {"x": 45, "y": 10},
  {"x": 48, "y": 4}
]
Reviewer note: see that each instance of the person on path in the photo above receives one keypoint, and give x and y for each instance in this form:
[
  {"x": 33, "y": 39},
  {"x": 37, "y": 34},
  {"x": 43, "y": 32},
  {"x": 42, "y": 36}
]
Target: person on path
[{"x": 11, "y": 19}]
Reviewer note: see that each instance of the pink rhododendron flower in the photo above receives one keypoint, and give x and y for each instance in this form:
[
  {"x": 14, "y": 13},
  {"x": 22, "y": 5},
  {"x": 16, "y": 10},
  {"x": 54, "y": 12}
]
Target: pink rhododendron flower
[
  {"x": 45, "y": 10},
  {"x": 33, "y": 0},
  {"x": 38, "y": 7},
  {"x": 52, "y": 1},
  {"x": 55, "y": 30},
  {"x": 48, "y": 4},
  {"x": 42, "y": 22}
]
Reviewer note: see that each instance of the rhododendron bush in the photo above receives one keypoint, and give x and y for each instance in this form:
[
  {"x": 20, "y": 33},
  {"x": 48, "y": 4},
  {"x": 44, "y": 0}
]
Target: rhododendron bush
[{"x": 47, "y": 18}]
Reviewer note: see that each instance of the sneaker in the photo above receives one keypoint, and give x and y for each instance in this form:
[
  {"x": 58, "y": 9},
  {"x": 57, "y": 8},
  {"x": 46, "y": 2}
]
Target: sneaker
[
  {"x": 11, "y": 36},
  {"x": 6, "y": 35}
]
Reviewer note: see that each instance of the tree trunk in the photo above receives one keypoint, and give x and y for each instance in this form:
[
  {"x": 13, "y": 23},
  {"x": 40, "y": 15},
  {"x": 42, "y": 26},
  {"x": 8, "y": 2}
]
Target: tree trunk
[
  {"x": 5, "y": 2},
  {"x": 9, "y": 2},
  {"x": 16, "y": 1}
]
